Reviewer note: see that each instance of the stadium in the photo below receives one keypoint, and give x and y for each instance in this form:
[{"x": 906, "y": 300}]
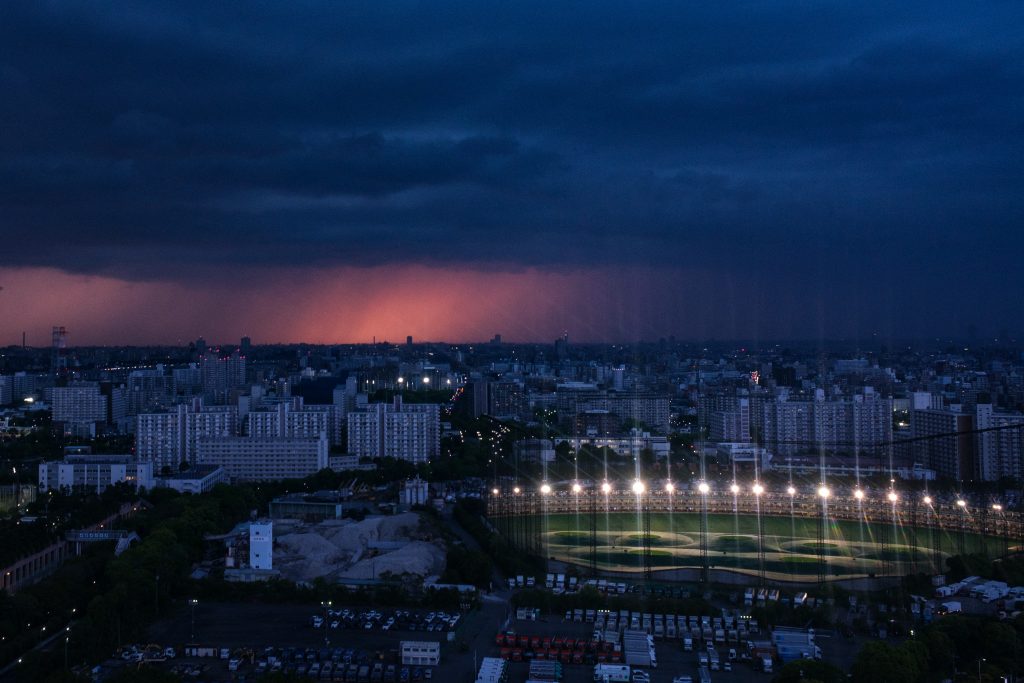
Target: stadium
[{"x": 790, "y": 535}]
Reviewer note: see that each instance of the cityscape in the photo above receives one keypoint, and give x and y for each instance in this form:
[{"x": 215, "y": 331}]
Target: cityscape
[{"x": 511, "y": 343}]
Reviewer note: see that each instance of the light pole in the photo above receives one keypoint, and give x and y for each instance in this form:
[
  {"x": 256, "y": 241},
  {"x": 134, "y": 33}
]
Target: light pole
[
  {"x": 326, "y": 604},
  {"x": 192, "y": 607}
]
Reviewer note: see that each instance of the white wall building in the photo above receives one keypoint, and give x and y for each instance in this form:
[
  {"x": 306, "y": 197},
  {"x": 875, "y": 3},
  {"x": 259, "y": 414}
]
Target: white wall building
[
  {"x": 94, "y": 472},
  {"x": 1000, "y": 443},
  {"x": 420, "y": 653},
  {"x": 294, "y": 419},
  {"x": 414, "y": 492},
  {"x": 261, "y": 545}
]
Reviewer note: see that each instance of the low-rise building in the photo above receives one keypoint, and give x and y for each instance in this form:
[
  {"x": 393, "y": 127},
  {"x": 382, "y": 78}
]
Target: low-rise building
[
  {"x": 420, "y": 653},
  {"x": 94, "y": 472}
]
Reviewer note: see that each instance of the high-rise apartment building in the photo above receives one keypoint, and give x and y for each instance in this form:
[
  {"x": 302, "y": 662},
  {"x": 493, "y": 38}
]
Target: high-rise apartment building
[
  {"x": 169, "y": 438},
  {"x": 407, "y": 431},
  {"x": 943, "y": 440},
  {"x": 264, "y": 459},
  {"x": 1000, "y": 443}
]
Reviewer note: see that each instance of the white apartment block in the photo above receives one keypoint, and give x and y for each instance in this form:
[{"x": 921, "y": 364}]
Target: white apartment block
[
  {"x": 294, "y": 419},
  {"x": 6, "y": 390},
  {"x": 169, "y": 438},
  {"x": 264, "y": 459},
  {"x": 732, "y": 424},
  {"x": 77, "y": 403},
  {"x": 395, "y": 430},
  {"x": 94, "y": 472}
]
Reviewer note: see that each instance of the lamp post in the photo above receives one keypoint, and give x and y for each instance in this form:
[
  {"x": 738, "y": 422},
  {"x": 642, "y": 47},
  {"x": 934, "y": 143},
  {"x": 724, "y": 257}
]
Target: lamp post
[
  {"x": 326, "y": 604},
  {"x": 192, "y": 608}
]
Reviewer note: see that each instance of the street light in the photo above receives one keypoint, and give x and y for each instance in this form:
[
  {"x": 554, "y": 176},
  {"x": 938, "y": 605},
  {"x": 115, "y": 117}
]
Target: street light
[
  {"x": 192, "y": 605},
  {"x": 703, "y": 487},
  {"x": 669, "y": 487},
  {"x": 927, "y": 500},
  {"x": 823, "y": 492},
  {"x": 791, "y": 490},
  {"x": 494, "y": 492},
  {"x": 638, "y": 487},
  {"x": 735, "y": 488},
  {"x": 892, "y": 497},
  {"x": 576, "y": 488},
  {"x": 606, "y": 487},
  {"x": 545, "y": 488},
  {"x": 858, "y": 494},
  {"x": 961, "y": 503}
]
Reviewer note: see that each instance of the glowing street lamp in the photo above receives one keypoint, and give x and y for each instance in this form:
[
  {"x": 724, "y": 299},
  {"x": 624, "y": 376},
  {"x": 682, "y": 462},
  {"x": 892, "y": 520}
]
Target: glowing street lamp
[
  {"x": 703, "y": 487},
  {"x": 638, "y": 487},
  {"x": 791, "y": 491},
  {"x": 426, "y": 380},
  {"x": 927, "y": 500},
  {"x": 892, "y": 497},
  {"x": 858, "y": 494},
  {"x": 823, "y": 492},
  {"x": 757, "y": 489},
  {"x": 515, "y": 490},
  {"x": 669, "y": 487},
  {"x": 606, "y": 488},
  {"x": 545, "y": 488},
  {"x": 997, "y": 507},
  {"x": 961, "y": 503},
  {"x": 401, "y": 380},
  {"x": 576, "y": 488},
  {"x": 735, "y": 488},
  {"x": 494, "y": 492}
]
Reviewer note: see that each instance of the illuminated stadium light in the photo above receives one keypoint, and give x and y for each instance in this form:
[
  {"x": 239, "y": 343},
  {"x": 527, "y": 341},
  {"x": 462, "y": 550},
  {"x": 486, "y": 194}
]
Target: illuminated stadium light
[
  {"x": 823, "y": 492},
  {"x": 515, "y": 490},
  {"x": 757, "y": 489},
  {"x": 927, "y": 500},
  {"x": 669, "y": 487},
  {"x": 961, "y": 503},
  {"x": 638, "y": 487},
  {"x": 858, "y": 494},
  {"x": 892, "y": 497},
  {"x": 576, "y": 488},
  {"x": 735, "y": 488},
  {"x": 494, "y": 491},
  {"x": 401, "y": 380},
  {"x": 703, "y": 487},
  {"x": 545, "y": 489},
  {"x": 426, "y": 380},
  {"x": 606, "y": 488},
  {"x": 997, "y": 507},
  {"x": 791, "y": 491}
]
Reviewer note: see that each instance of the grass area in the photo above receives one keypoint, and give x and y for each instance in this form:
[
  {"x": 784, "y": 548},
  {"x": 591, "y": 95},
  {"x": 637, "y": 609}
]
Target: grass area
[{"x": 791, "y": 545}]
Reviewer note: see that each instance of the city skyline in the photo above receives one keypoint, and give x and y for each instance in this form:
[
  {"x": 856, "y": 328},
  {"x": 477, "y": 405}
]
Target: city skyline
[{"x": 331, "y": 173}]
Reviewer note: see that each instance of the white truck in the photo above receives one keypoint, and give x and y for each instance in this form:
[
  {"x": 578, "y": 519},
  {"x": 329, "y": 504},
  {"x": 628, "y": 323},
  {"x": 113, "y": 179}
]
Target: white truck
[{"x": 612, "y": 673}]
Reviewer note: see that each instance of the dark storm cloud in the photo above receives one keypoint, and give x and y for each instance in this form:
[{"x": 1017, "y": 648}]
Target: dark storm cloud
[{"x": 792, "y": 143}]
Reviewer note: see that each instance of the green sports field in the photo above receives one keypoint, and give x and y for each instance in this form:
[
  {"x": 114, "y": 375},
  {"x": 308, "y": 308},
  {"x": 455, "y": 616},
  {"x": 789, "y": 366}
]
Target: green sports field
[{"x": 790, "y": 545}]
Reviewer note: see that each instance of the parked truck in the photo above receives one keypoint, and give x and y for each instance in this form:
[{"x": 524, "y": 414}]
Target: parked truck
[{"x": 612, "y": 673}]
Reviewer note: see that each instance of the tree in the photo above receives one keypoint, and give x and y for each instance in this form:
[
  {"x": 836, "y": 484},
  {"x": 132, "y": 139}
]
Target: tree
[
  {"x": 879, "y": 662},
  {"x": 810, "y": 670}
]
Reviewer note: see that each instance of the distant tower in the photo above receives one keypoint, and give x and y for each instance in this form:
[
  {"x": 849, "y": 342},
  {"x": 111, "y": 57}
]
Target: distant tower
[
  {"x": 200, "y": 346},
  {"x": 58, "y": 351},
  {"x": 245, "y": 346},
  {"x": 408, "y": 340}
]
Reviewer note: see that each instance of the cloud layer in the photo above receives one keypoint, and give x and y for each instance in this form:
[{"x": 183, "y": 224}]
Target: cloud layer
[{"x": 843, "y": 156}]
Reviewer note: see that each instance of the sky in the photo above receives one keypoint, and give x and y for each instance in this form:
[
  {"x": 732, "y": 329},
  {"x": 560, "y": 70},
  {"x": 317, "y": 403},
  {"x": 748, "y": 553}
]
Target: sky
[{"x": 339, "y": 171}]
